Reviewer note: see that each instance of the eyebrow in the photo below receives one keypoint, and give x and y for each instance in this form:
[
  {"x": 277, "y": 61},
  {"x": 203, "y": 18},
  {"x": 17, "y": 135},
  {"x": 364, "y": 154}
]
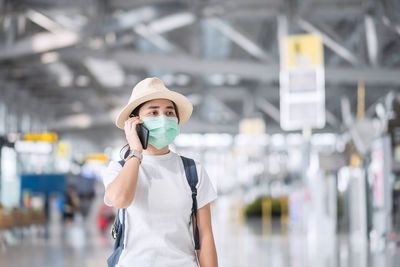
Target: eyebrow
[{"x": 156, "y": 107}]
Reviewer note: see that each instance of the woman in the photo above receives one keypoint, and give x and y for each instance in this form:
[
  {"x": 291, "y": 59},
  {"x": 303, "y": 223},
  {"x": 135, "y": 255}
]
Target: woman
[{"x": 152, "y": 185}]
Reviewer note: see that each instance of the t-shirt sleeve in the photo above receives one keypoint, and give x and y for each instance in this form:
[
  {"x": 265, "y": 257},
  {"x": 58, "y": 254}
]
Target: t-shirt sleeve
[
  {"x": 206, "y": 192},
  {"x": 109, "y": 175}
]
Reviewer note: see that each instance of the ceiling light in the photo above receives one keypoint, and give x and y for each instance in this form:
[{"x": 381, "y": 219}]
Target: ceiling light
[
  {"x": 182, "y": 79},
  {"x": 168, "y": 79},
  {"x": 62, "y": 72},
  {"x": 195, "y": 99},
  {"x": 82, "y": 80},
  {"x": 77, "y": 106},
  {"x": 172, "y": 22},
  {"x": 232, "y": 79},
  {"x": 49, "y": 57},
  {"x": 217, "y": 79},
  {"x": 82, "y": 121},
  {"x": 110, "y": 38},
  {"x": 96, "y": 43},
  {"x": 107, "y": 72}
]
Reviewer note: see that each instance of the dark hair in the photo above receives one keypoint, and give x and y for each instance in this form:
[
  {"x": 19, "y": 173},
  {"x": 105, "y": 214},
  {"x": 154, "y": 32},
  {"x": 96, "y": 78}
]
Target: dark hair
[{"x": 125, "y": 149}]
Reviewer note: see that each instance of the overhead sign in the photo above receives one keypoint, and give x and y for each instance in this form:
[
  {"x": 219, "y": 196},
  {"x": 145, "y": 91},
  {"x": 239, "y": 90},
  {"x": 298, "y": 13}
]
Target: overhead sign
[
  {"x": 43, "y": 137},
  {"x": 304, "y": 51},
  {"x": 302, "y": 83},
  {"x": 252, "y": 126},
  {"x": 63, "y": 149},
  {"x": 96, "y": 157}
]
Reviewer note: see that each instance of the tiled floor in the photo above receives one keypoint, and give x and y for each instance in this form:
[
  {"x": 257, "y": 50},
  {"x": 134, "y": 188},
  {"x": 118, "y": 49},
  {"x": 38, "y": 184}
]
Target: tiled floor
[{"x": 239, "y": 243}]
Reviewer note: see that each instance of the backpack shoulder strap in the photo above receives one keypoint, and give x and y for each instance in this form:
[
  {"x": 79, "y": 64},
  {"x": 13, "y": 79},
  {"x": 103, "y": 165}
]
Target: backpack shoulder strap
[
  {"x": 191, "y": 176},
  {"x": 120, "y": 224},
  {"x": 121, "y": 162},
  {"x": 122, "y": 229}
]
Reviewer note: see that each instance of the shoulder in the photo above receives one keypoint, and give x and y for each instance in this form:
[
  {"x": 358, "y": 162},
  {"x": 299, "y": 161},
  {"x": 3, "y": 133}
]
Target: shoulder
[
  {"x": 199, "y": 166},
  {"x": 197, "y": 162}
]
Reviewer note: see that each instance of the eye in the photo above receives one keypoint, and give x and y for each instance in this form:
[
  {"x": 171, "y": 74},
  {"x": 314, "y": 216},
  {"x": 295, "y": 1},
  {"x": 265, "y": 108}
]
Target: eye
[
  {"x": 153, "y": 112},
  {"x": 170, "y": 113}
]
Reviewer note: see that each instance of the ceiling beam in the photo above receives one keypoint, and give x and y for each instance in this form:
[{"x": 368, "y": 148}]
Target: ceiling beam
[
  {"x": 269, "y": 109},
  {"x": 282, "y": 32},
  {"x": 372, "y": 39},
  {"x": 129, "y": 19},
  {"x": 187, "y": 64},
  {"x": 270, "y": 8},
  {"x": 153, "y": 31},
  {"x": 241, "y": 40},
  {"x": 39, "y": 43},
  {"x": 171, "y": 22},
  {"x": 43, "y": 21},
  {"x": 247, "y": 69},
  {"x": 329, "y": 42},
  {"x": 332, "y": 119},
  {"x": 195, "y": 65},
  {"x": 61, "y": 38},
  {"x": 351, "y": 42},
  {"x": 157, "y": 39},
  {"x": 128, "y": 4}
]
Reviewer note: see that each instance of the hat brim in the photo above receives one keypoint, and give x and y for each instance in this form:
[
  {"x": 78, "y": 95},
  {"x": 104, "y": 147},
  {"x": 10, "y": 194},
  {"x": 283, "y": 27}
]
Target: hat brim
[{"x": 184, "y": 106}]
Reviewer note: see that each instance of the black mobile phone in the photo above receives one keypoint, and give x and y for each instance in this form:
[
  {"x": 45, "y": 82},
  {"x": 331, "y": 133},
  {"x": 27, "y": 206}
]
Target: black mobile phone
[{"x": 143, "y": 134}]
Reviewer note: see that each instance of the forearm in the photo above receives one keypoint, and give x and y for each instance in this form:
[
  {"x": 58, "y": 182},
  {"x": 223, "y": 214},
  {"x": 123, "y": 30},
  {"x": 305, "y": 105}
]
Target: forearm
[
  {"x": 207, "y": 255},
  {"x": 121, "y": 191}
]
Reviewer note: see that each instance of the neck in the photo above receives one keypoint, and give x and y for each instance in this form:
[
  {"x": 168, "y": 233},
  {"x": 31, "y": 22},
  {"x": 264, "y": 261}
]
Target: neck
[{"x": 151, "y": 150}]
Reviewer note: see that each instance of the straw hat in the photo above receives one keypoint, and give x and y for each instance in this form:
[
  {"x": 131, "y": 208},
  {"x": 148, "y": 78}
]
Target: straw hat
[{"x": 154, "y": 88}]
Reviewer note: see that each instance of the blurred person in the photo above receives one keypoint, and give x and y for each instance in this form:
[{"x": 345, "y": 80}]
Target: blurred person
[
  {"x": 71, "y": 204},
  {"x": 86, "y": 203},
  {"x": 86, "y": 194},
  {"x": 152, "y": 187},
  {"x": 105, "y": 217}
]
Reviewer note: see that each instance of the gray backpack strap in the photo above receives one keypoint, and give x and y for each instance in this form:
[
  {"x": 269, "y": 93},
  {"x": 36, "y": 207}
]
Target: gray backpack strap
[
  {"x": 121, "y": 240},
  {"x": 191, "y": 176},
  {"x": 121, "y": 162},
  {"x": 118, "y": 233}
]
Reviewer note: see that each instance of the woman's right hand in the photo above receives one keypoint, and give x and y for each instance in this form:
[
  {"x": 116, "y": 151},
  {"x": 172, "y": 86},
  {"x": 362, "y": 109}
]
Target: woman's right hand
[{"x": 131, "y": 134}]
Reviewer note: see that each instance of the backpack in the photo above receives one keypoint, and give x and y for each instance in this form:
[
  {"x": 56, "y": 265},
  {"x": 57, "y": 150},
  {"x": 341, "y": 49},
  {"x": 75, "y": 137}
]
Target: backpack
[{"x": 118, "y": 229}]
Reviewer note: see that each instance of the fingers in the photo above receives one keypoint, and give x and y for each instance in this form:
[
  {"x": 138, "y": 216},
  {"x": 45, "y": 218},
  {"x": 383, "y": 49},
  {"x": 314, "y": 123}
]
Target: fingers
[{"x": 132, "y": 122}]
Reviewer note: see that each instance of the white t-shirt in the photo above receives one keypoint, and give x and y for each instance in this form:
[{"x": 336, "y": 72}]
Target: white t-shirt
[{"x": 158, "y": 230}]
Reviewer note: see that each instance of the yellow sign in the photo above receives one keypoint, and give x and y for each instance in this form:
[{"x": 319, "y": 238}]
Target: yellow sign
[
  {"x": 44, "y": 137},
  {"x": 253, "y": 126},
  {"x": 63, "y": 148},
  {"x": 304, "y": 50},
  {"x": 97, "y": 157}
]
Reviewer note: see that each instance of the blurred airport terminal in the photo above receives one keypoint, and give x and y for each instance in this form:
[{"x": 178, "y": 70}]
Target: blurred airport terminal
[{"x": 296, "y": 120}]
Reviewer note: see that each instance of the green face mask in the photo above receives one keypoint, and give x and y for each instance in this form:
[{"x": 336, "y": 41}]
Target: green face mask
[{"x": 163, "y": 130}]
